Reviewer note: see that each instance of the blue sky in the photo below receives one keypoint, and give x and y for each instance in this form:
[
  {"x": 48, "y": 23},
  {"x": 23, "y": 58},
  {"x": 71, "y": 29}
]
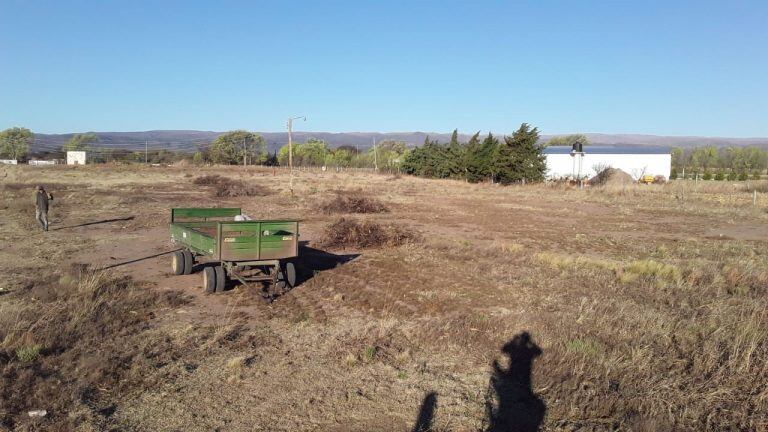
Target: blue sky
[{"x": 655, "y": 67}]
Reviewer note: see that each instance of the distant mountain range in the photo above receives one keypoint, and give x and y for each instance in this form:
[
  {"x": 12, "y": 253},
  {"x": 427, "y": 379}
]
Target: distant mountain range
[{"x": 190, "y": 140}]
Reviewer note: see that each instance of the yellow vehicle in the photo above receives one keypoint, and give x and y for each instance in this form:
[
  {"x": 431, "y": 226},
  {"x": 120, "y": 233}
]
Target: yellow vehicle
[{"x": 647, "y": 179}]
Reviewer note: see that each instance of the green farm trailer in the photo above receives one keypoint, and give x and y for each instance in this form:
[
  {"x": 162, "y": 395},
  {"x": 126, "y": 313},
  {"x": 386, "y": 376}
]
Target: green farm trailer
[{"x": 243, "y": 250}]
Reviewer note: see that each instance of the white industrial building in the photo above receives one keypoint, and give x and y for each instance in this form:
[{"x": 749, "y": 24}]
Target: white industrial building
[{"x": 635, "y": 161}]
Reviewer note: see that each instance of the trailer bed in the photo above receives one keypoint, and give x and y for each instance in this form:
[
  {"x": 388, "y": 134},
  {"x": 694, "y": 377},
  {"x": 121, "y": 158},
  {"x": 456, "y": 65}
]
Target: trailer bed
[{"x": 228, "y": 240}]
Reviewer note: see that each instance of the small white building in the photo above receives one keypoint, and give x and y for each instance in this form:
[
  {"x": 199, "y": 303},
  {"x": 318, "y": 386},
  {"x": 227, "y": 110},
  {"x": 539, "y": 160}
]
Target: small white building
[
  {"x": 75, "y": 158},
  {"x": 9, "y": 161},
  {"x": 635, "y": 161},
  {"x": 42, "y": 162}
]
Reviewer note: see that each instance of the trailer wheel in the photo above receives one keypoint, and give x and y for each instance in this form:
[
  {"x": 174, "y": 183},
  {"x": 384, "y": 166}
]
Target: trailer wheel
[
  {"x": 209, "y": 280},
  {"x": 177, "y": 263},
  {"x": 286, "y": 278},
  {"x": 189, "y": 262},
  {"x": 289, "y": 272},
  {"x": 221, "y": 278}
]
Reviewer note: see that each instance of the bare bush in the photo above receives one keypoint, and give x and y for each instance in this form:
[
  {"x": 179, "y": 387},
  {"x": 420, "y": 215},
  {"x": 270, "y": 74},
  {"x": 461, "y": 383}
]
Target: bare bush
[
  {"x": 352, "y": 233},
  {"x": 226, "y": 187},
  {"x": 236, "y": 188},
  {"x": 209, "y": 180},
  {"x": 354, "y": 202}
]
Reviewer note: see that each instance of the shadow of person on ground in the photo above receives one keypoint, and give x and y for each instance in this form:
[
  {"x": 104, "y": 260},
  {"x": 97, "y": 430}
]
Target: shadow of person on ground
[
  {"x": 128, "y": 218},
  {"x": 426, "y": 413},
  {"x": 311, "y": 261},
  {"x": 513, "y": 406}
]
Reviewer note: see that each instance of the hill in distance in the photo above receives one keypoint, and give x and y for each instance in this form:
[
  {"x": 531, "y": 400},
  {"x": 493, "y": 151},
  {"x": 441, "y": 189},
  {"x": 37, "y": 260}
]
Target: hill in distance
[{"x": 191, "y": 140}]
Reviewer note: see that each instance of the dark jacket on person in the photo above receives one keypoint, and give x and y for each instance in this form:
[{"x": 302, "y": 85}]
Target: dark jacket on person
[{"x": 41, "y": 200}]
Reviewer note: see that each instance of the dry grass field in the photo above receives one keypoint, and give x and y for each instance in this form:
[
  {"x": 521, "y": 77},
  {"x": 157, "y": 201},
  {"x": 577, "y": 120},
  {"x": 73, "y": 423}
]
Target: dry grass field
[{"x": 484, "y": 308}]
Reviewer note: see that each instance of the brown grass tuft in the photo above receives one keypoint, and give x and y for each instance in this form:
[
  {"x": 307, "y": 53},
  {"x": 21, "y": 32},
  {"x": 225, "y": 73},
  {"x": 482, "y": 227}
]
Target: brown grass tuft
[
  {"x": 352, "y": 233},
  {"x": 48, "y": 348}
]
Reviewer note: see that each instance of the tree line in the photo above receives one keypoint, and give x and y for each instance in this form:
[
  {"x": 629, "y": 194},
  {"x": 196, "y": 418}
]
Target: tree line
[
  {"x": 710, "y": 162},
  {"x": 511, "y": 159},
  {"x": 515, "y": 158}
]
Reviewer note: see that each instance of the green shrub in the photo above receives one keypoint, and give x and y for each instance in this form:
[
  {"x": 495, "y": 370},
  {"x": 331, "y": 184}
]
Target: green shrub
[
  {"x": 707, "y": 176},
  {"x": 673, "y": 174},
  {"x": 719, "y": 176},
  {"x": 743, "y": 176}
]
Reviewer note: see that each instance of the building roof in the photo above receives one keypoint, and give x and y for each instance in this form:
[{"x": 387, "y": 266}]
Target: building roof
[{"x": 589, "y": 149}]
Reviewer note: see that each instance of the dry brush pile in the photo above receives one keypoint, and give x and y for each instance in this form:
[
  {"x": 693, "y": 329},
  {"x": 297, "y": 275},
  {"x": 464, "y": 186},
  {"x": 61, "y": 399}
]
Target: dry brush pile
[
  {"x": 348, "y": 232},
  {"x": 226, "y": 187},
  {"x": 353, "y": 202}
]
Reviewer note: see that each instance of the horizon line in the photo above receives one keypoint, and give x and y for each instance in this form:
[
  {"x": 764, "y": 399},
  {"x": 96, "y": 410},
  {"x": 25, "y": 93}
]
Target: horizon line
[{"x": 408, "y": 132}]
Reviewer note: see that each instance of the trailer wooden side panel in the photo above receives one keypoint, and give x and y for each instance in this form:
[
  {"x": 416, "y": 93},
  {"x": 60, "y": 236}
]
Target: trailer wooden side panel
[{"x": 258, "y": 240}]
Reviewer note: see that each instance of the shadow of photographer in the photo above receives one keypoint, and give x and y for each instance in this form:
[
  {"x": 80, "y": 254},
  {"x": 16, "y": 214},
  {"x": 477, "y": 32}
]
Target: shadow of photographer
[{"x": 511, "y": 405}]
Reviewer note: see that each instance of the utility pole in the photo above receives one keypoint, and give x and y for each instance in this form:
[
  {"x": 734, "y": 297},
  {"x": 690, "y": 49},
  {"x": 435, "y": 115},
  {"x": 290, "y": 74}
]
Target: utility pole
[
  {"x": 290, "y": 148},
  {"x": 375, "y": 156},
  {"x": 245, "y": 153},
  {"x": 146, "y": 152}
]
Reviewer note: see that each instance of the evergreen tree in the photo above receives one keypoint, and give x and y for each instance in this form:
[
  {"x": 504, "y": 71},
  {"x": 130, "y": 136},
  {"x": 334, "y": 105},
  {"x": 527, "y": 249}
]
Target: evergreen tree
[
  {"x": 480, "y": 157},
  {"x": 520, "y": 157},
  {"x": 453, "y": 152},
  {"x": 467, "y": 154},
  {"x": 454, "y": 138},
  {"x": 414, "y": 162}
]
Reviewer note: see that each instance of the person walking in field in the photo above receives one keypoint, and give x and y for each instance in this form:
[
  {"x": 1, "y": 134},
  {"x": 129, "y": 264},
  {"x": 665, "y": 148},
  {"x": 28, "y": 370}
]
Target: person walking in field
[{"x": 42, "y": 198}]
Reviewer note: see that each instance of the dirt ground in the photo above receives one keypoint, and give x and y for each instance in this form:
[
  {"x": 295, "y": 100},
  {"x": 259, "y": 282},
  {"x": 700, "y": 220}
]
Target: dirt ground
[{"x": 640, "y": 307}]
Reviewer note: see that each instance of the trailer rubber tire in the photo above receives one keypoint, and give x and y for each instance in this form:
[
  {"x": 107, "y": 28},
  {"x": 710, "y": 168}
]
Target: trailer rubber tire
[
  {"x": 177, "y": 263},
  {"x": 209, "y": 280},
  {"x": 221, "y": 278},
  {"x": 189, "y": 262},
  {"x": 286, "y": 277},
  {"x": 289, "y": 273}
]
